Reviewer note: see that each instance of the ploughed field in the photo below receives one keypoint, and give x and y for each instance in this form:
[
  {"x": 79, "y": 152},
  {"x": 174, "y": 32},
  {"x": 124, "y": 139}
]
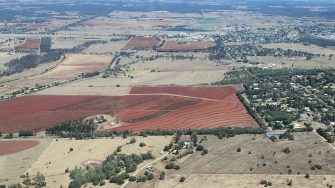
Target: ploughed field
[
  {"x": 13, "y": 146},
  {"x": 175, "y": 46},
  {"x": 141, "y": 42},
  {"x": 143, "y": 108}
]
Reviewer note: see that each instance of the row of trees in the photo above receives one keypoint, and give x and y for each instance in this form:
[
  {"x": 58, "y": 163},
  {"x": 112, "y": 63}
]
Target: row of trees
[
  {"x": 325, "y": 135},
  {"x": 30, "y": 61},
  {"x": 82, "y": 130}
]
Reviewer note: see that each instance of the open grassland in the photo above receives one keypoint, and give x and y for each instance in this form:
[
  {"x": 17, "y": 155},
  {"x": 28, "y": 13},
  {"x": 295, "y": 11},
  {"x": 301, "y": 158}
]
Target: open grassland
[
  {"x": 199, "y": 63},
  {"x": 6, "y": 57},
  {"x": 181, "y": 46},
  {"x": 108, "y": 48},
  {"x": 300, "y": 47},
  {"x": 15, "y": 164},
  {"x": 107, "y": 86},
  {"x": 66, "y": 43},
  {"x": 296, "y": 62},
  {"x": 57, "y": 157},
  {"x": 162, "y": 71},
  {"x": 224, "y": 159},
  {"x": 241, "y": 180},
  {"x": 15, "y": 81},
  {"x": 259, "y": 159}
]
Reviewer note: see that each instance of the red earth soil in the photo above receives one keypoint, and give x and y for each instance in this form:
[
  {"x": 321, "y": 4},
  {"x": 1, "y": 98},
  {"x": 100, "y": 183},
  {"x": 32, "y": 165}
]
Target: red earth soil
[
  {"x": 29, "y": 44},
  {"x": 220, "y": 107},
  {"x": 141, "y": 42},
  {"x": 175, "y": 46},
  {"x": 143, "y": 108},
  {"x": 215, "y": 93},
  {"x": 13, "y": 146}
]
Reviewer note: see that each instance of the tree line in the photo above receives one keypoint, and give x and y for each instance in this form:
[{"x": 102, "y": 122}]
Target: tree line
[{"x": 80, "y": 129}]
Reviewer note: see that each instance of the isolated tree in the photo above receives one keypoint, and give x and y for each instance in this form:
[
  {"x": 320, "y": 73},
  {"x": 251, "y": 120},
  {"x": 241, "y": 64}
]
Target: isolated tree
[
  {"x": 118, "y": 149},
  {"x": 132, "y": 178},
  {"x": 150, "y": 176},
  {"x": 200, "y": 147},
  {"x": 162, "y": 176},
  {"x": 39, "y": 180},
  {"x": 287, "y": 150},
  {"x": 132, "y": 140}
]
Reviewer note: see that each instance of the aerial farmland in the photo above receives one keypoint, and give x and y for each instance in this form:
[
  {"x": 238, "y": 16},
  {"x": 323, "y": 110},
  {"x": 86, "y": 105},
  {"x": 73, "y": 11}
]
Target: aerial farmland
[{"x": 164, "y": 94}]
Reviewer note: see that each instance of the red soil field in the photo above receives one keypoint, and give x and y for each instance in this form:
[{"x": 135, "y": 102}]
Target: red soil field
[
  {"x": 141, "y": 42},
  {"x": 29, "y": 44},
  {"x": 14, "y": 146},
  {"x": 143, "y": 108},
  {"x": 215, "y": 93},
  {"x": 220, "y": 107},
  {"x": 175, "y": 46}
]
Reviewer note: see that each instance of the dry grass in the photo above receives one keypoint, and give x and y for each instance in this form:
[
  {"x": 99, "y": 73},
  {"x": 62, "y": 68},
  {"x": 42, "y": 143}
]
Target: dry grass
[
  {"x": 166, "y": 72},
  {"x": 56, "y": 158},
  {"x": 71, "y": 67},
  {"x": 297, "y": 62},
  {"x": 242, "y": 180},
  {"x": 6, "y": 57},
  {"x": 107, "y": 86},
  {"x": 66, "y": 43},
  {"x": 223, "y": 166},
  {"x": 222, "y": 153},
  {"x": 108, "y": 48},
  {"x": 13, "y": 165},
  {"x": 300, "y": 47}
]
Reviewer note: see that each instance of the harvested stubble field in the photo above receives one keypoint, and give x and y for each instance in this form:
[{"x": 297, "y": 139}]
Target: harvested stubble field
[
  {"x": 296, "y": 62},
  {"x": 100, "y": 23},
  {"x": 143, "y": 108},
  {"x": 300, "y": 47},
  {"x": 199, "y": 71},
  {"x": 70, "y": 68},
  {"x": 177, "y": 46},
  {"x": 141, "y": 42},
  {"x": 56, "y": 158},
  {"x": 66, "y": 43},
  {"x": 108, "y": 48},
  {"x": 6, "y": 57},
  {"x": 29, "y": 44}
]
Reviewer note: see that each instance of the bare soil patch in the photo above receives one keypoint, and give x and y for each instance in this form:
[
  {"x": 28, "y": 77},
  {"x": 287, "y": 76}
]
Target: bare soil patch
[
  {"x": 14, "y": 146},
  {"x": 141, "y": 42},
  {"x": 182, "y": 46}
]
